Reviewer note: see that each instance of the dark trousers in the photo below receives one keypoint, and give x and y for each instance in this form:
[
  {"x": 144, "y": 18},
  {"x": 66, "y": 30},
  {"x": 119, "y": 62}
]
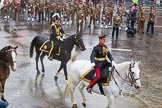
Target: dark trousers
[
  {"x": 117, "y": 31},
  {"x": 51, "y": 14},
  {"x": 152, "y": 27},
  {"x": 41, "y": 16},
  {"x": 132, "y": 24}
]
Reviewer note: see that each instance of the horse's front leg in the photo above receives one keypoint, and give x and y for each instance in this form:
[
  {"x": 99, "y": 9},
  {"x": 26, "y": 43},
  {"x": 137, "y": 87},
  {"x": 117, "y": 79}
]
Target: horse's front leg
[
  {"x": 41, "y": 59},
  {"x": 2, "y": 93},
  {"x": 74, "y": 84},
  {"x": 81, "y": 87},
  {"x": 56, "y": 76},
  {"x": 65, "y": 72},
  {"x": 37, "y": 59},
  {"x": 63, "y": 65}
]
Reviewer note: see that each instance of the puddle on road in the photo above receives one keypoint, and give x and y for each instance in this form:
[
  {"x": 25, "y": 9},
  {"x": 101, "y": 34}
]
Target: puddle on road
[
  {"x": 160, "y": 34},
  {"x": 5, "y": 28},
  {"x": 13, "y": 37},
  {"x": 24, "y": 64}
]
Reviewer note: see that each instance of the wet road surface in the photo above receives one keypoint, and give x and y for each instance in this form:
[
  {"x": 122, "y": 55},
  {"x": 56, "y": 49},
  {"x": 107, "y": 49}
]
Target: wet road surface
[{"x": 24, "y": 89}]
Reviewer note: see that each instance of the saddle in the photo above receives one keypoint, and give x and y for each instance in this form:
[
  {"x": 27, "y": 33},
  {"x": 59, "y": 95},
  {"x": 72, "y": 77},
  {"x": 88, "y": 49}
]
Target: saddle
[
  {"x": 47, "y": 47},
  {"x": 89, "y": 75}
]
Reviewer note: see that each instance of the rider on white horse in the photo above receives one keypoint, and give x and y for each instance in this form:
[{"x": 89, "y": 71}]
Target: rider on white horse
[{"x": 99, "y": 61}]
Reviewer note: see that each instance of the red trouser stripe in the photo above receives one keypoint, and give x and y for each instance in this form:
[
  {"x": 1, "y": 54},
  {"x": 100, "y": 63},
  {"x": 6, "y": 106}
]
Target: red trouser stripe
[{"x": 95, "y": 79}]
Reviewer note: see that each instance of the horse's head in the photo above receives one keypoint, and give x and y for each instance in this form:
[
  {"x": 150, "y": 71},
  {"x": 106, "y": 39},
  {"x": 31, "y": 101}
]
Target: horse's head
[
  {"x": 9, "y": 56},
  {"x": 134, "y": 74},
  {"x": 79, "y": 42}
]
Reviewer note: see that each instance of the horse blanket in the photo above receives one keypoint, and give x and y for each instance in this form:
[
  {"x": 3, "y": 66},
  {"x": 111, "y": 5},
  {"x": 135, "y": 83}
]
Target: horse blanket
[
  {"x": 46, "y": 46},
  {"x": 89, "y": 75}
]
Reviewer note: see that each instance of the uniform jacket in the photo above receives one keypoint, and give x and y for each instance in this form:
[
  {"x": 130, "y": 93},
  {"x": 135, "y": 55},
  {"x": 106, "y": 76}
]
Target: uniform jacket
[
  {"x": 141, "y": 15},
  {"x": 116, "y": 21},
  {"x": 53, "y": 7},
  {"x": 79, "y": 15},
  {"x": 152, "y": 16},
  {"x": 55, "y": 32},
  {"x": 99, "y": 54},
  {"x": 41, "y": 6},
  {"x": 133, "y": 15}
]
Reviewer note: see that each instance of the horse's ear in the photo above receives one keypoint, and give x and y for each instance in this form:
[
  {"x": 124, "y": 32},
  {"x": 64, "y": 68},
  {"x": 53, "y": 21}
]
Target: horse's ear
[
  {"x": 8, "y": 48},
  {"x": 139, "y": 62},
  {"x": 132, "y": 63},
  {"x": 16, "y": 47},
  {"x": 80, "y": 34}
]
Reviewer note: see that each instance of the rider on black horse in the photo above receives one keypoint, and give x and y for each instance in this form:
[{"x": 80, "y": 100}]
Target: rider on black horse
[
  {"x": 55, "y": 36},
  {"x": 99, "y": 61}
]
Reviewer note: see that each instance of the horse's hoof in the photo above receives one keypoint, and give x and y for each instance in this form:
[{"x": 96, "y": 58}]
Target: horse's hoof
[
  {"x": 84, "y": 104},
  {"x": 56, "y": 77},
  {"x": 38, "y": 72},
  {"x": 67, "y": 82},
  {"x": 43, "y": 70},
  {"x": 74, "y": 106}
]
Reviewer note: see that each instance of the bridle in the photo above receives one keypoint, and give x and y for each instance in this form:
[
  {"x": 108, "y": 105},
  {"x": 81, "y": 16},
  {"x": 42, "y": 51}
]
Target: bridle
[
  {"x": 77, "y": 41},
  {"x": 131, "y": 80},
  {"x": 8, "y": 53}
]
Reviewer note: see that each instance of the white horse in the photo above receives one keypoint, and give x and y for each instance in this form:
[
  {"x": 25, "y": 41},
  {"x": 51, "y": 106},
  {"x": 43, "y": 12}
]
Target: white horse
[{"x": 123, "y": 72}]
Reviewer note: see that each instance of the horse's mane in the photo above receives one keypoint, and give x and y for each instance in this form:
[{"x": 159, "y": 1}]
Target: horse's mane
[
  {"x": 2, "y": 52},
  {"x": 70, "y": 37},
  {"x": 6, "y": 47}
]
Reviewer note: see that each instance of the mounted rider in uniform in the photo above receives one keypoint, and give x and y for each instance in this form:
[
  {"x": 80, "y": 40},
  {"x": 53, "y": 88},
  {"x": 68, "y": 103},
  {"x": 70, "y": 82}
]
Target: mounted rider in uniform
[
  {"x": 99, "y": 61},
  {"x": 55, "y": 36}
]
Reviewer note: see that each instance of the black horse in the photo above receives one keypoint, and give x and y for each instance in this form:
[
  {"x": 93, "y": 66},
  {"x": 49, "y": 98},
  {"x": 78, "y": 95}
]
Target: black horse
[{"x": 41, "y": 43}]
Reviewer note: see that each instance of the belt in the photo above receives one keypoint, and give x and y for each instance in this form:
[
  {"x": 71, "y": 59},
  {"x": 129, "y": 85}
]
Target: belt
[
  {"x": 100, "y": 59},
  {"x": 58, "y": 37}
]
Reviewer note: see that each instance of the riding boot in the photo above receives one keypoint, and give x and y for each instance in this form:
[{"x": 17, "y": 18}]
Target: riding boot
[
  {"x": 51, "y": 56},
  {"x": 89, "y": 90},
  {"x": 56, "y": 51}
]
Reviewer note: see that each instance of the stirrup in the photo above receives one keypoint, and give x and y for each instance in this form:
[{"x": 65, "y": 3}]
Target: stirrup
[{"x": 89, "y": 90}]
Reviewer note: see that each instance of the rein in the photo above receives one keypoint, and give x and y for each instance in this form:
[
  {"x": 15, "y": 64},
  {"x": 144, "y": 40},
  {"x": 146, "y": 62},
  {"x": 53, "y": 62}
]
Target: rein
[
  {"x": 7, "y": 63},
  {"x": 131, "y": 78},
  {"x": 112, "y": 74}
]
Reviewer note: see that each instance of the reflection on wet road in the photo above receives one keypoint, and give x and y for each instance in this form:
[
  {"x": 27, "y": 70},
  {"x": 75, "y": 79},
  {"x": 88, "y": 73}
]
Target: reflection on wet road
[{"x": 25, "y": 89}]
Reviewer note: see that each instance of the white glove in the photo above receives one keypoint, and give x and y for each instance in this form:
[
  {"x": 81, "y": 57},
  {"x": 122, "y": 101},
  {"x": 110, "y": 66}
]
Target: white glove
[
  {"x": 80, "y": 21},
  {"x": 93, "y": 64},
  {"x": 61, "y": 39},
  {"x": 113, "y": 63}
]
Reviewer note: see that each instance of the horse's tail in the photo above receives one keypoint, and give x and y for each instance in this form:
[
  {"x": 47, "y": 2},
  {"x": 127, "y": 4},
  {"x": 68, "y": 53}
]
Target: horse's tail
[
  {"x": 68, "y": 89},
  {"x": 32, "y": 47},
  {"x": 74, "y": 57}
]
